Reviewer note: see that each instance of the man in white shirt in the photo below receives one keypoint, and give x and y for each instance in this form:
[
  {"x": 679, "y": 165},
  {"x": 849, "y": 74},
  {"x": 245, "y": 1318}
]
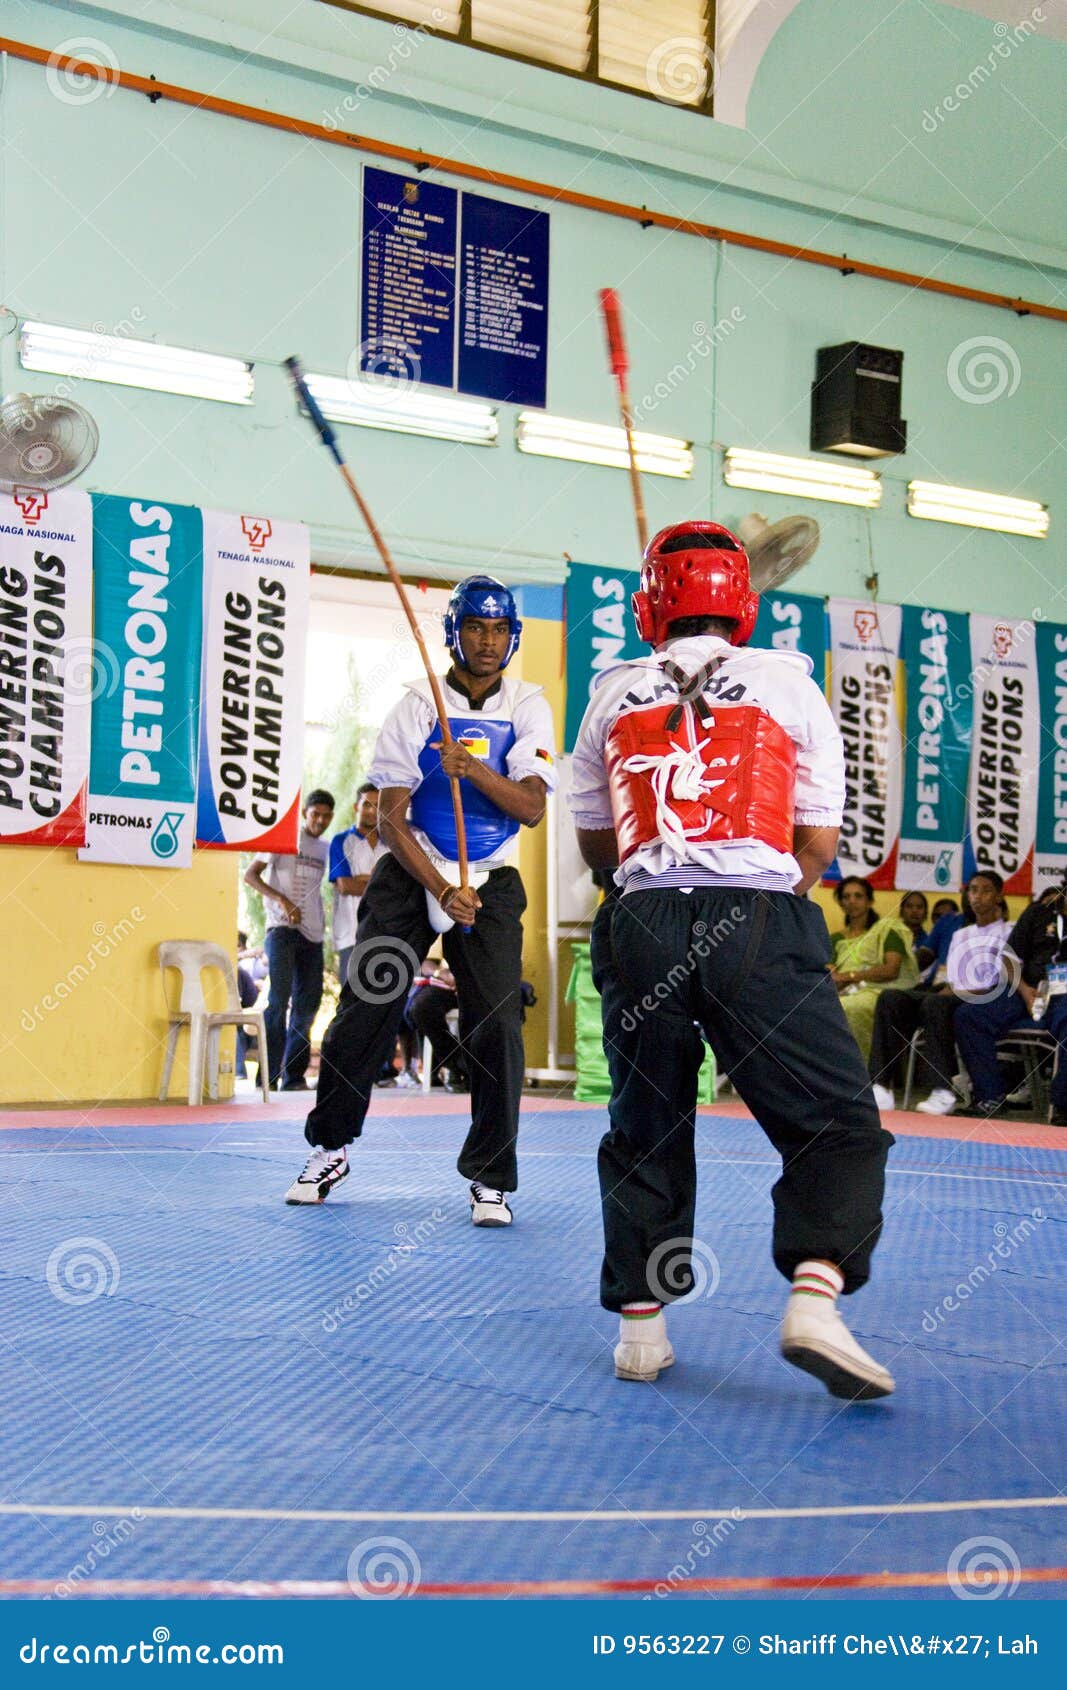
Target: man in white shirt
[
  {"x": 353, "y": 855},
  {"x": 716, "y": 777},
  {"x": 503, "y": 757},
  {"x": 291, "y": 886}
]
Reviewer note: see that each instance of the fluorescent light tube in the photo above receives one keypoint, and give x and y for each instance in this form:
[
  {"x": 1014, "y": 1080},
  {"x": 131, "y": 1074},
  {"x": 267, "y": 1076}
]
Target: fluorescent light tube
[
  {"x": 404, "y": 410},
  {"x": 135, "y": 363},
  {"x": 594, "y": 443},
  {"x": 803, "y": 478},
  {"x": 973, "y": 509}
]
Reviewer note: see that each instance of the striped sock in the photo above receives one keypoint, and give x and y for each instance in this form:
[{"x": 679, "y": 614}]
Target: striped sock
[
  {"x": 640, "y": 1311},
  {"x": 817, "y": 1279}
]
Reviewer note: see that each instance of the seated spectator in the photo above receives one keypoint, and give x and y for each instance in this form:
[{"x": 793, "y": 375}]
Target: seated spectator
[
  {"x": 944, "y": 906},
  {"x": 934, "y": 953},
  {"x": 433, "y": 996},
  {"x": 1036, "y": 944},
  {"x": 914, "y": 908},
  {"x": 971, "y": 969},
  {"x": 869, "y": 954}
]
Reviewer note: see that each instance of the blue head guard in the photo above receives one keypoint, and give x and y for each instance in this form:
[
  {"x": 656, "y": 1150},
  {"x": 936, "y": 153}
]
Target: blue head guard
[{"x": 481, "y": 595}]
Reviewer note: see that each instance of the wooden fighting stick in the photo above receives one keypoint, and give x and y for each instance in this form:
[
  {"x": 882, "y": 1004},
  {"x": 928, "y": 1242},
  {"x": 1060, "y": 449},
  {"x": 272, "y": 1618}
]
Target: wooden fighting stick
[
  {"x": 620, "y": 369},
  {"x": 329, "y": 440}
]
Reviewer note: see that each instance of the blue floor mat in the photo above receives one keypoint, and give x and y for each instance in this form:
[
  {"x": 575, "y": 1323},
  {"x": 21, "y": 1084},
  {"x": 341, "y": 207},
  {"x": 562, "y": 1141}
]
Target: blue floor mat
[{"x": 176, "y": 1338}]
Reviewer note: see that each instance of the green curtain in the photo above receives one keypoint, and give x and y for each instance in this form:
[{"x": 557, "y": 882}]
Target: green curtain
[{"x": 594, "y": 1085}]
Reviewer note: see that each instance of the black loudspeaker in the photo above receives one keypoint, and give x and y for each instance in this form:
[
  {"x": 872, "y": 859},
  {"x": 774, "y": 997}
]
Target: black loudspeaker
[{"x": 855, "y": 401}]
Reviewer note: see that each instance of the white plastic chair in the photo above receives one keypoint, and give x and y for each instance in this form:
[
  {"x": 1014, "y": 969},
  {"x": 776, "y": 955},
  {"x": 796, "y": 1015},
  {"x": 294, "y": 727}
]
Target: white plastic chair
[{"x": 190, "y": 957}]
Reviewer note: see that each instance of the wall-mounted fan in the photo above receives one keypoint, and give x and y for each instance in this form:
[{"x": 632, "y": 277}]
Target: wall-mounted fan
[
  {"x": 45, "y": 441},
  {"x": 777, "y": 550}
]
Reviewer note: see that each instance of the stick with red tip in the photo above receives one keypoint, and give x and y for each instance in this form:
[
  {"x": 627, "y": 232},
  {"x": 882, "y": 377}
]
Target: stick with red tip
[{"x": 620, "y": 369}]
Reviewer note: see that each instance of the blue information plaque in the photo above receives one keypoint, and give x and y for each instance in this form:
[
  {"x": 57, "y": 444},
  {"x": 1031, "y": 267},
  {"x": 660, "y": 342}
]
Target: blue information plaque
[
  {"x": 408, "y": 316},
  {"x": 503, "y": 330}
]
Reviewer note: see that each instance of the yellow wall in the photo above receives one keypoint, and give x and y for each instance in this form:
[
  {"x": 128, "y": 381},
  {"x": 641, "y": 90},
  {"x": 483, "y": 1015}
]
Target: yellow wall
[
  {"x": 887, "y": 903},
  {"x": 541, "y": 661},
  {"x": 81, "y": 1004}
]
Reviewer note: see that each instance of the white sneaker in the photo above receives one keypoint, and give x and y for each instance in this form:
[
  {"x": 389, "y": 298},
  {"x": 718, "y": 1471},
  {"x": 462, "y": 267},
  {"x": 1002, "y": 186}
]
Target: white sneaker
[
  {"x": 643, "y": 1349},
  {"x": 815, "y": 1338},
  {"x": 408, "y": 1081},
  {"x": 1020, "y": 1098},
  {"x": 940, "y": 1102},
  {"x": 322, "y": 1171},
  {"x": 884, "y": 1099},
  {"x": 489, "y": 1207}
]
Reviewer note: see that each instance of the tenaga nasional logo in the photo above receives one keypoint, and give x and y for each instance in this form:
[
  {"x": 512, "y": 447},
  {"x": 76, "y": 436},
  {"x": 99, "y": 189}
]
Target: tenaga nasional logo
[
  {"x": 865, "y": 619},
  {"x": 257, "y": 531},
  {"x": 32, "y": 502}
]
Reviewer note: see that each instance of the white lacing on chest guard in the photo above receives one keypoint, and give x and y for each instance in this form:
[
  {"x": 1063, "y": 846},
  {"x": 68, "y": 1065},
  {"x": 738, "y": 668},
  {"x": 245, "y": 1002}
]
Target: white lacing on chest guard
[{"x": 683, "y": 775}]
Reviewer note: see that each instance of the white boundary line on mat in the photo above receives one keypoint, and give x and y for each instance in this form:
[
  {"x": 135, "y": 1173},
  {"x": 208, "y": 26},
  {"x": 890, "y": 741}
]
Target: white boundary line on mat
[{"x": 613, "y": 1516}]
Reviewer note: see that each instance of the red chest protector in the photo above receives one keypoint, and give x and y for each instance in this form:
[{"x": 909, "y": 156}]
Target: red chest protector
[{"x": 681, "y": 777}]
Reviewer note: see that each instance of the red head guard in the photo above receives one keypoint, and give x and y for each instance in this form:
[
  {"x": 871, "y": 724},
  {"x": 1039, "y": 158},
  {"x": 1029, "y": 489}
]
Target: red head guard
[{"x": 694, "y": 569}]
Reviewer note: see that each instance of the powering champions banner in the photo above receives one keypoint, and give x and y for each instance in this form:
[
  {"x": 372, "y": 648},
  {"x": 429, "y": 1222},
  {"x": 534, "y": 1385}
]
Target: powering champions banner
[
  {"x": 47, "y": 676},
  {"x": 1050, "y": 846},
  {"x": 257, "y": 577},
  {"x": 147, "y": 591},
  {"x": 864, "y": 647},
  {"x": 1002, "y": 798}
]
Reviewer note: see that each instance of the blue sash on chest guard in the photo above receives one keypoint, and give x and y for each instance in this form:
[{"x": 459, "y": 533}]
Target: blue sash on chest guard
[{"x": 488, "y": 828}]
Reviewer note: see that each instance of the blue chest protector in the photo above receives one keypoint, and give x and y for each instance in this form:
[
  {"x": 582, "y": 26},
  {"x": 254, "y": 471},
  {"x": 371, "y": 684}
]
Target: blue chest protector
[{"x": 488, "y": 828}]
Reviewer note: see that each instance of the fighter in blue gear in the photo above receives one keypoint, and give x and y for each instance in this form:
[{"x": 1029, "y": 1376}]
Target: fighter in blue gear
[{"x": 503, "y": 756}]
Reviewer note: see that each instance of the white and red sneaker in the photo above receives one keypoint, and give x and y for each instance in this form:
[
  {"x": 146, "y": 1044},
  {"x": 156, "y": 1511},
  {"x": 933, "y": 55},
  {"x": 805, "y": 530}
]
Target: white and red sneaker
[{"x": 322, "y": 1171}]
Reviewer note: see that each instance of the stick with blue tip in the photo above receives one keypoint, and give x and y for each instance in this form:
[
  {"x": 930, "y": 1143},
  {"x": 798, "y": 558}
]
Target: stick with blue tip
[{"x": 329, "y": 440}]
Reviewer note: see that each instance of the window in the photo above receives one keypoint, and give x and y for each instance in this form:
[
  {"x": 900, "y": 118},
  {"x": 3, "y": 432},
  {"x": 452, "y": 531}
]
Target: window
[{"x": 662, "y": 49}]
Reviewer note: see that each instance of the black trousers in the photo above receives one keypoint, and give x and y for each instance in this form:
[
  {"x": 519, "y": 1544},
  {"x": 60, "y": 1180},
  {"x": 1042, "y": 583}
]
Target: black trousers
[
  {"x": 392, "y": 937},
  {"x": 899, "y": 1014},
  {"x": 750, "y": 968},
  {"x": 428, "y": 1014}
]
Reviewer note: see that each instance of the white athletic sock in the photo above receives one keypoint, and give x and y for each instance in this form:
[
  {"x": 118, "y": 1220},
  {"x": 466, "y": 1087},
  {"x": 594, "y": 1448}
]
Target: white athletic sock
[
  {"x": 640, "y": 1311},
  {"x": 818, "y": 1279}
]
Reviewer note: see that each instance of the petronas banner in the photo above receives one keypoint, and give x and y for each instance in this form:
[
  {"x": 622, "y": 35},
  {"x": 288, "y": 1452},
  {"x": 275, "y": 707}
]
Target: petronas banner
[{"x": 147, "y": 617}]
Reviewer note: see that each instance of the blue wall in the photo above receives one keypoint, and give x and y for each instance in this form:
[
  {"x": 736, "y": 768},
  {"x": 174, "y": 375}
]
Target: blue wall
[{"x": 203, "y": 231}]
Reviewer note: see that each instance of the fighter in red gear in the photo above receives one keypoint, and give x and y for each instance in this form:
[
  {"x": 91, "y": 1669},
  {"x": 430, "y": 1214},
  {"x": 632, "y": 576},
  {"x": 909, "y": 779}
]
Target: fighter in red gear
[{"x": 711, "y": 778}]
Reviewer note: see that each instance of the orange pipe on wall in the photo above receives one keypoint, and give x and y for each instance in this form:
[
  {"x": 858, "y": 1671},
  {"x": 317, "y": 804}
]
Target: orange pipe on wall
[{"x": 520, "y": 184}]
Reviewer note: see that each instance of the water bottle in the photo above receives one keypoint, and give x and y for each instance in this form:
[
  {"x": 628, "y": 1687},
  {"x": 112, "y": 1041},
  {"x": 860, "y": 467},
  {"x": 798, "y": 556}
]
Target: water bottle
[{"x": 1040, "y": 1003}]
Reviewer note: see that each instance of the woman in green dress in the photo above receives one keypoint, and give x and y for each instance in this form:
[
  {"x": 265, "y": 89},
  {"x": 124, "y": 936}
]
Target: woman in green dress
[{"x": 869, "y": 954}]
